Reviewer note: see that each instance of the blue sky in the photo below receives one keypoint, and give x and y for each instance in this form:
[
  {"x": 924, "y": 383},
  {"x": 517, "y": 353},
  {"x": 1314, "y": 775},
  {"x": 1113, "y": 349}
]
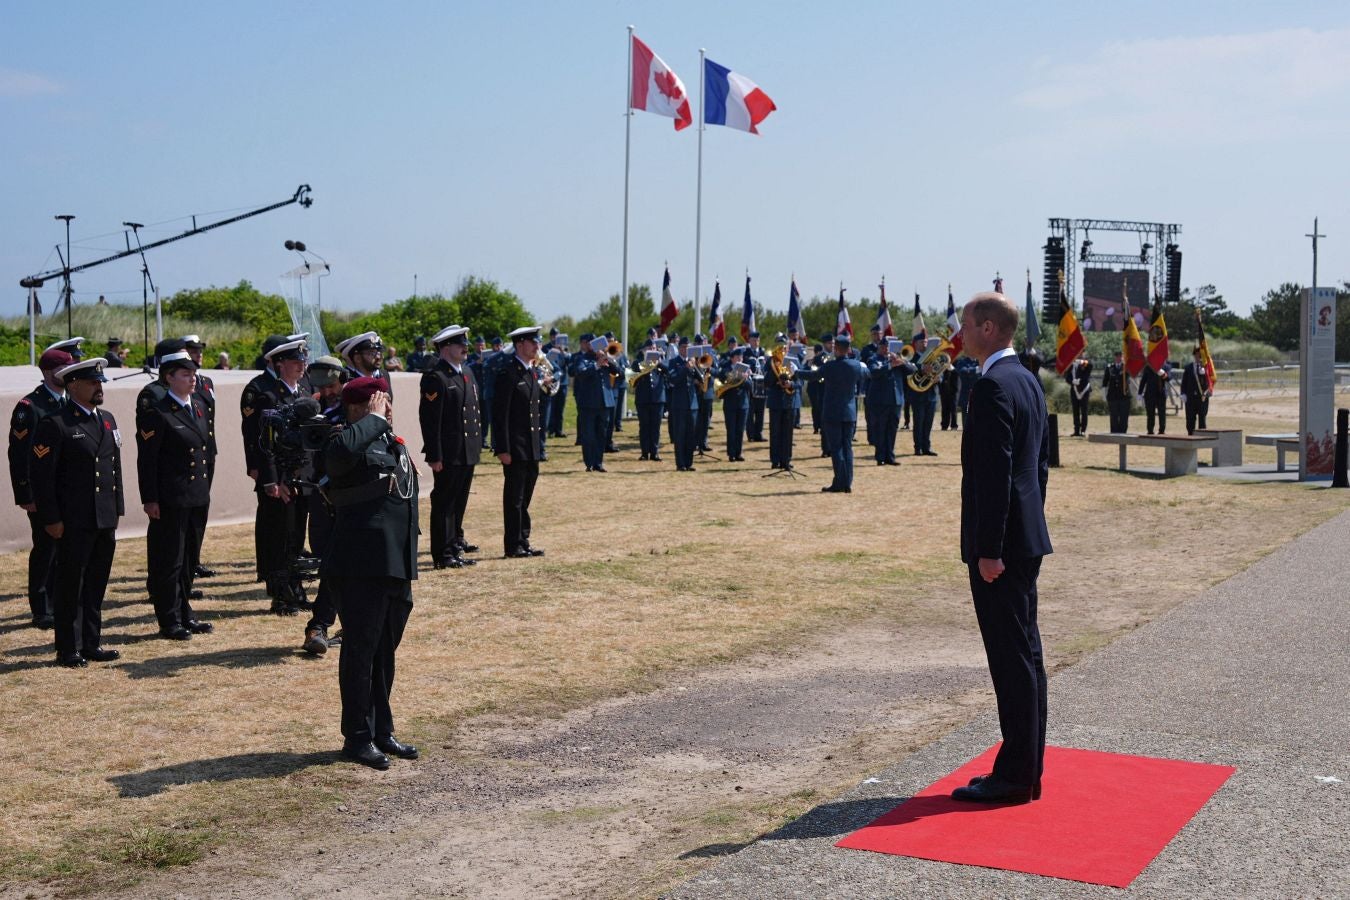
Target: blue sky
[{"x": 925, "y": 142}]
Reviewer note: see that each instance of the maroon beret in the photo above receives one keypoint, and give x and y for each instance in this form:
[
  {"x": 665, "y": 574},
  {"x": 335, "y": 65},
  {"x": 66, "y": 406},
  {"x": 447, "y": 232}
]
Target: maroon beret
[
  {"x": 360, "y": 390},
  {"x": 55, "y": 359}
]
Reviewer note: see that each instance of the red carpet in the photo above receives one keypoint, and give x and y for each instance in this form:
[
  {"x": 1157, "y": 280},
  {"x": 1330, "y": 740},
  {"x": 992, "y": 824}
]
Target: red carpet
[{"x": 1102, "y": 817}]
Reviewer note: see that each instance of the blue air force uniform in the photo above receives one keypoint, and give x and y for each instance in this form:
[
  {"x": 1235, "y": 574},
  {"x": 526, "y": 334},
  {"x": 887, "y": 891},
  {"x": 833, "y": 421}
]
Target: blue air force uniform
[
  {"x": 841, "y": 378},
  {"x": 735, "y": 410},
  {"x": 595, "y": 406},
  {"x": 682, "y": 396},
  {"x": 649, "y": 392},
  {"x": 885, "y": 399}
]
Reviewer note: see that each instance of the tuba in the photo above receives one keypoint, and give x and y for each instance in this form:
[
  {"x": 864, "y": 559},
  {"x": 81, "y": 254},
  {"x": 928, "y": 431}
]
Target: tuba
[
  {"x": 548, "y": 385},
  {"x": 781, "y": 371},
  {"x": 931, "y": 365}
]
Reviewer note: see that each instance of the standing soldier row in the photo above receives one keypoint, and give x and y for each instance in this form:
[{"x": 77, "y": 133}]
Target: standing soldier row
[{"x": 452, "y": 439}]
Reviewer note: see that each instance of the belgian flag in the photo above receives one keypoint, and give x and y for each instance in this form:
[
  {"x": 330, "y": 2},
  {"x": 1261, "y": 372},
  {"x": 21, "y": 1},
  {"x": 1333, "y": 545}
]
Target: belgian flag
[
  {"x": 1133, "y": 344},
  {"x": 1205, "y": 358},
  {"x": 1069, "y": 340},
  {"x": 1157, "y": 337}
]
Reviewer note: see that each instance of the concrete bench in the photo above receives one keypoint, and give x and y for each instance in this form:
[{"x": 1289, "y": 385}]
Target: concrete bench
[
  {"x": 1227, "y": 445},
  {"x": 1179, "y": 451},
  {"x": 1283, "y": 444}
]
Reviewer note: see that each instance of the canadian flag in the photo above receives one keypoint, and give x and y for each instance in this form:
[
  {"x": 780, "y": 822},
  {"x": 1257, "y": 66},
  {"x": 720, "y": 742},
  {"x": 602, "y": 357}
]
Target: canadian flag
[{"x": 657, "y": 89}]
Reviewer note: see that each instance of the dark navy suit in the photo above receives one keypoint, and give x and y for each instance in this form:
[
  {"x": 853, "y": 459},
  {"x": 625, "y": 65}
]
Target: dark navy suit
[{"x": 1004, "y": 470}]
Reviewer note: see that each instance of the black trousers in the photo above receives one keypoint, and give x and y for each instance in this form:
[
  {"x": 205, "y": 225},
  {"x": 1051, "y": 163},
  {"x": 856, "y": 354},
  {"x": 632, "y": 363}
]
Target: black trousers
[
  {"x": 923, "y": 412},
  {"x": 616, "y": 422},
  {"x": 948, "y": 414},
  {"x": 870, "y": 421},
  {"x": 702, "y": 422},
  {"x": 780, "y": 437},
  {"x": 1197, "y": 410},
  {"x": 517, "y": 491},
  {"x": 324, "y": 613},
  {"x": 278, "y": 535},
  {"x": 449, "y": 499},
  {"x": 374, "y": 614},
  {"x": 885, "y": 427},
  {"x": 558, "y": 404},
  {"x": 1006, "y": 610},
  {"x": 1079, "y": 409},
  {"x": 754, "y": 425},
  {"x": 83, "y": 560},
  {"x": 734, "y": 415},
  {"x": 1156, "y": 408},
  {"x": 1119, "y": 412},
  {"x": 41, "y": 569},
  {"x": 171, "y": 544},
  {"x": 815, "y": 413},
  {"x": 682, "y": 436},
  {"x": 649, "y": 427}
]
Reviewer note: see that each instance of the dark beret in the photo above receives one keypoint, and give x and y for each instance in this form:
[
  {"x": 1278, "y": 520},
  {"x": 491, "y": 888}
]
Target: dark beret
[{"x": 360, "y": 390}]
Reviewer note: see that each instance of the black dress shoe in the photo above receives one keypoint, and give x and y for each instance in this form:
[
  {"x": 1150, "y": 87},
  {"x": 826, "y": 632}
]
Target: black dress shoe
[
  {"x": 282, "y": 608},
  {"x": 72, "y": 661},
  {"x": 467, "y": 548},
  {"x": 100, "y": 654},
  {"x": 601, "y": 469},
  {"x": 1035, "y": 789},
  {"x": 197, "y": 626},
  {"x": 195, "y": 594},
  {"x": 533, "y": 551},
  {"x": 643, "y": 458},
  {"x": 449, "y": 562},
  {"x": 993, "y": 790},
  {"x": 611, "y": 449},
  {"x": 892, "y": 462},
  {"x": 46, "y": 623},
  {"x": 177, "y": 633},
  {"x": 465, "y": 561},
  {"x": 394, "y": 747},
  {"x": 203, "y": 572},
  {"x": 656, "y": 457},
  {"x": 518, "y": 553},
  {"x": 366, "y": 755}
]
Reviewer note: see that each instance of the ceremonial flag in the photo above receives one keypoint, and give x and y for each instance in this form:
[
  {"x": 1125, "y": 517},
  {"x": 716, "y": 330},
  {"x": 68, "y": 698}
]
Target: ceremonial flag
[
  {"x": 1069, "y": 340},
  {"x": 669, "y": 309},
  {"x": 1204, "y": 352},
  {"x": 998, "y": 283},
  {"x": 884, "y": 313},
  {"x": 34, "y": 304},
  {"x": 1033, "y": 323},
  {"x": 1133, "y": 345},
  {"x": 657, "y": 89},
  {"x": 1157, "y": 337},
  {"x": 920, "y": 329},
  {"x": 733, "y": 100},
  {"x": 717, "y": 329},
  {"x": 954, "y": 323},
  {"x": 747, "y": 313},
  {"x": 843, "y": 324},
  {"x": 794, "y": 320}
]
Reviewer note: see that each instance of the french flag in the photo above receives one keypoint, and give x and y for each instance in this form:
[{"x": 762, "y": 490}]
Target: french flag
[
  {"x": 731, "y": 99},
  {"x": 884, "y": 313},
  {"x": 920, "y": 329},
  {"x": 747, "y": 313},
  {"x": 794, "y": 320},
  {"x": 717, "y": 329},
  {"x": 669, "y": 308},
  {"x": 954, "y": 323},
  {"x": 843, "y": 324},
  {"x": 654, "y": 87}
]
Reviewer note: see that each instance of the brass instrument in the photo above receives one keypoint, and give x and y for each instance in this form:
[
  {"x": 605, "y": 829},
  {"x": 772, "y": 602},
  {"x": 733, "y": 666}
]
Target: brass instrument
[
  {"x": 931, "y": 365},
  {"x": 781, "y": 372},
  {"x": 734, "y": 380},
  {"x": 703, "y": 365},
  {"x": 644, "y": 370},
  {"x": 614, "y": 351},
  {"x": 907, "y": 353},
  {"x": 548, "y": 385}
]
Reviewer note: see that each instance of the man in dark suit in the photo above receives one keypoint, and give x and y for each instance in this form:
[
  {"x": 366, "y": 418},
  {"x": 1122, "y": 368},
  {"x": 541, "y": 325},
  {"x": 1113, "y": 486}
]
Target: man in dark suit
[
  {"x": 172, "y": 462},
  {"x": 841, "y": 378},
  {"x": 1004, "y": 469},
  {"x": 204, "y": 390},
  {"x": 1195, "y": 387},
  {"x": 44, "y": 400},
  {"x": 452, "y": 440},
  {"x": 515, "y": 439},
  {"x": 1079, "y": 378},
  {"x": 1116, "y": 382},
  {"x": 77, "y": 484},
  {"x": 1153, "y": 390},
  {"x": 370, "y": 565}
]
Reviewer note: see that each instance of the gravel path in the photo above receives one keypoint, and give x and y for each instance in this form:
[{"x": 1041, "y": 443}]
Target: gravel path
[{"x": 1254, "y": 673}]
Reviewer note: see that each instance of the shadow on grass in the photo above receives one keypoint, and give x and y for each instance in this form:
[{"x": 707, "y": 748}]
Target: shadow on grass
[
  {"x": 222, "y": 768},
  {"x": 170, "y": 665}
]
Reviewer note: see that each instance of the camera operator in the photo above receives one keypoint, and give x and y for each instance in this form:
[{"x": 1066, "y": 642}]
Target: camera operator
[
  {"x": 279, "y": 527},
  {"x": 370, "y": 565},
  {"x": 327, "y": 375}
]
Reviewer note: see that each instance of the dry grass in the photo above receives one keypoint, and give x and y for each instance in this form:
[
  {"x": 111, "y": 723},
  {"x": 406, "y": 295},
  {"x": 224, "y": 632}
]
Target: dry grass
[{"x": 183, "y": 750}]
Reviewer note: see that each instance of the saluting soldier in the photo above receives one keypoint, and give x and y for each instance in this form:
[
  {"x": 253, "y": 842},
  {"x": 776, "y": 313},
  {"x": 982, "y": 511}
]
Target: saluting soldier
[
  {"x": 370, "y": 565},
  {"x": 44, "y": 400},
  {"x": 77, "y": 482},
  {"x": 842, "y": 377},
  {"x": 278, "y": 533},
  {"x": 1116, "y": 382},
  {"x": 173, "y": 459},
  {"x": 452, "y": 440},
  {"x": 515, "y": 438}
]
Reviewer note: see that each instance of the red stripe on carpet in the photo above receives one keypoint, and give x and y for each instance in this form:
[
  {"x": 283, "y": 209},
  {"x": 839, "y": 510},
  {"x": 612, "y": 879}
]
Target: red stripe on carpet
[{"x": 1102, "y": 817}]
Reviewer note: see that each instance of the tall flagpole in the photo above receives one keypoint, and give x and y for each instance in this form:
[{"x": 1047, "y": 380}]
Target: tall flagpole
[
  {"x": 627, "y": 157},
  {"x": 32, "y": 326},
  {"x": 698, "y": 204}
]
